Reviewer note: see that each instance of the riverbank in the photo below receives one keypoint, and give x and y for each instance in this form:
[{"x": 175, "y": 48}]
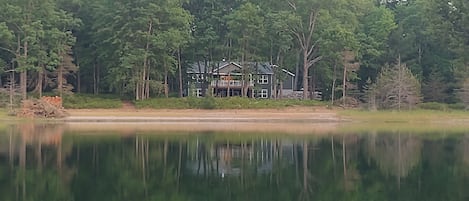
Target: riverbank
[
  {"x": 290, "y": 114},
  {"x": 299, "y": 120}
]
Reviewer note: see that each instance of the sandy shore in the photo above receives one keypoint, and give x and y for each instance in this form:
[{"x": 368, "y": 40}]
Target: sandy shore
[
  {"x": 295, "y": 114},
  {"x": 294, "y": 120}
]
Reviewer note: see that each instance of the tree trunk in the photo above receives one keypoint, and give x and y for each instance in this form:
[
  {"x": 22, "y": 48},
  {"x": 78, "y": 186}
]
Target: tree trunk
[
  {"x": 297, "y": 72},
  {"x": 166, "y": 88},
  {"x": 60, "y": 74},
  {"x": 147, "y": 85},
  {"x": 243, "y": 65},
  {"x": 305, "y": 74},
  {"x": 344, "y": 80},
  {"x": 180, "y": 72},
  {"x": 78, "y": 75},
  {"x": 40, "y": 80},
  {"x": 24, "y": 73},
  {"x": 334, "y": 80},
  {"x": 399, "y": 93},
  {"x": 143, "y": 93},
  {"x": 11, "y": 92}
]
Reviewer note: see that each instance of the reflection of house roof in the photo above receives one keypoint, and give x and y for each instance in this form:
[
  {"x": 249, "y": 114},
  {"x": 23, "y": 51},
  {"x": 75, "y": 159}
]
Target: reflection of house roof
[{"x": 258, "y": 67}]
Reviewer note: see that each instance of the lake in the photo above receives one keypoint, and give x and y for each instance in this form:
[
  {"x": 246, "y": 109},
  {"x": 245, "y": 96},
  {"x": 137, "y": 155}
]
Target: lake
[{"x": 48, "y": 162}]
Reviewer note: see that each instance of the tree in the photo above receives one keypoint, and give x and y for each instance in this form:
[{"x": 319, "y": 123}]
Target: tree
[
  {"x": 463, "y": 93},
  {"x": 396, "y": 88},
  {"x": 247, "y": 28},
  {"x": 304, "y": 18},
  {"x": 434, "y": 87}
]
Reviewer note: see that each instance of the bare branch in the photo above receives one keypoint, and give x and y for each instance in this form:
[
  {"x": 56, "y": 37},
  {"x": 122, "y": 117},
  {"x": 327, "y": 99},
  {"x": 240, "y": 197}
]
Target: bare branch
[
  {"x": 313, "y": 48},
  {"x": 292, "y": 5},
  {"x": 8, "y": 50},
  {"x": 315, "y": 60},
  {"x": 312, "y": 23}
]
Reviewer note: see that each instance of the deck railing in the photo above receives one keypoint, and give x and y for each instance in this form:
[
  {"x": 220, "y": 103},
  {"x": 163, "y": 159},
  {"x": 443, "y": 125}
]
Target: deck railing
[{"x": 231, "y": 83}]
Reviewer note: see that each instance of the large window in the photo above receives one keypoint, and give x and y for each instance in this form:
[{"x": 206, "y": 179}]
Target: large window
[
  {"x": 263, "y": 79},
  {"x": 264, "y": 93}
]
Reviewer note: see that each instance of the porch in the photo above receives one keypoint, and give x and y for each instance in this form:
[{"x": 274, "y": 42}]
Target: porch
[{"x": 230, "y": 83}]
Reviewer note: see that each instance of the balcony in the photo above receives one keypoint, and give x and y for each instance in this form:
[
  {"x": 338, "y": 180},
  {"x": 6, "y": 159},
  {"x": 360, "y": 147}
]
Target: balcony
[{"x": 230, "y": 83}]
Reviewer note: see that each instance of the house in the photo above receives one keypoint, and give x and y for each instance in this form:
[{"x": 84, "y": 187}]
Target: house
[{"x": 226, "y": 79}]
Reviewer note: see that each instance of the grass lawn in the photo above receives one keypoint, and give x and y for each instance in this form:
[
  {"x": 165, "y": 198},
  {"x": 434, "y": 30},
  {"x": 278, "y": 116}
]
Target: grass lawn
[
  {"x": 411, "y": 116},
  {"x": 3, "y": 112}
]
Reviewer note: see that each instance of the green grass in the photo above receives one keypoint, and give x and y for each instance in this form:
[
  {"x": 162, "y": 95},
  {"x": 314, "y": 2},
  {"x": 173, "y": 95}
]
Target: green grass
[
  {"x": 222, "y": 103},
  {"x": 81, "y": 101},
  {"x": 3, "y": 112},
  {"x": 410, "y": 116},
  {"x": 441, "y": 106}
]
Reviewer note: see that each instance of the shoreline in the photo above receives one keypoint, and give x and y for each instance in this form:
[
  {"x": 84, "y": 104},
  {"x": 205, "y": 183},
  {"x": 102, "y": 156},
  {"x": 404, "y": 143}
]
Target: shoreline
[{"x": 195, "y": 115}]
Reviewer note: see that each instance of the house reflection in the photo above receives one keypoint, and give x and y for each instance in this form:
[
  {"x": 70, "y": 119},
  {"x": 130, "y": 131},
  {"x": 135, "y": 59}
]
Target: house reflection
[{"x": 234, "y": 159}]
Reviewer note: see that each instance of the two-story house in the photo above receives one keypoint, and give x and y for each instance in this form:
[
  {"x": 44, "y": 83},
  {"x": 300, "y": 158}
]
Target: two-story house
[{"x": 226, "y": 79}]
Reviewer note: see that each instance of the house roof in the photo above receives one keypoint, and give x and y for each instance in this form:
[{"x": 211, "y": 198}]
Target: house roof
[
  {"x": 288, "y": 72},
  {"x": 224, "y": 67}
]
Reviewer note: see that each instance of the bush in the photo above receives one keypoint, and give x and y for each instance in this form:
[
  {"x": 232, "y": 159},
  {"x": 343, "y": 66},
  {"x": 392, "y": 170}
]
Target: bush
[
  {"x": 80, "y": 101},
  {"x": 457, "y": 106},
  {"x": 222, "y": 103},
  {"x": 208, "y": 103},
  {"x": 433, "y": 106},
  {"x": 441, "y": 106}
]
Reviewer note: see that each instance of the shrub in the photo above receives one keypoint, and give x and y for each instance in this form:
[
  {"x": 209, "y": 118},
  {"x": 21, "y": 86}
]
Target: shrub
[
  {"x": 433, "y": 106},
  {"x": 208, "y": 103},
  {"x": 80, "y": 101},
  {"x": 457, "y": 106},
  {"x": 222, "y": 103}
]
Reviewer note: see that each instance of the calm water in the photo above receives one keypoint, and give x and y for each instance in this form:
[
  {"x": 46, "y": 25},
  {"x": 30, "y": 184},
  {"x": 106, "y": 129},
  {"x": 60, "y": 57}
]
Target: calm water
[{"x": 50, "y": 162}]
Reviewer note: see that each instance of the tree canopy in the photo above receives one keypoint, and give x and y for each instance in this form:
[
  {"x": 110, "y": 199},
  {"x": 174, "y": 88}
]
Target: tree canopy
[{"x": 141, "y": 49}]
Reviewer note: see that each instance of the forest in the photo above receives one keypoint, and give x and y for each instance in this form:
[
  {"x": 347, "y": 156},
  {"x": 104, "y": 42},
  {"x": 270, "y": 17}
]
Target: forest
[{"x": 385, "y": 52}]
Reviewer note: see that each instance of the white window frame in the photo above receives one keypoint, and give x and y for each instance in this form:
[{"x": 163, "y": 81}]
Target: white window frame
[
  {"x": 198, "y": 92},
  {"x": 264, "y": 93},
  {"x": 198, "y": 77},
  {"x": 263, "y": 79}
]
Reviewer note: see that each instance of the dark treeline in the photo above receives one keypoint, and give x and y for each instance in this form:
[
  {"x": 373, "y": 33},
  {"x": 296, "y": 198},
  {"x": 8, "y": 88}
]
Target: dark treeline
[{"x": 140, "y": 48}]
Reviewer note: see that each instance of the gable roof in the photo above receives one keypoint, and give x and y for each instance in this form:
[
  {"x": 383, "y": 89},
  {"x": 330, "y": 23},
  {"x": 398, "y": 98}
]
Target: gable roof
[
  {"x": 288, "y": 72},
  {"x": 227, "y": 67}
]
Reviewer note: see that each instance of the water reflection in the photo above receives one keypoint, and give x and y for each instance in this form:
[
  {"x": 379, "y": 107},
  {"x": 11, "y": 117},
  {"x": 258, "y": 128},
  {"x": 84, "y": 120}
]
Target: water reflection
[{"x": 48, "y": 162}]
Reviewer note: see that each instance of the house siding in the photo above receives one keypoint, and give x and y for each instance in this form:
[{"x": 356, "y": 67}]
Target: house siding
[
  {"x": 288, "y": 82},
  {"x": 233, "y": 69}
]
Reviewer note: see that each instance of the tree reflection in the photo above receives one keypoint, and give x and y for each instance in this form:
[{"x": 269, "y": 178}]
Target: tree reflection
[{"x": 40, "y": 162}]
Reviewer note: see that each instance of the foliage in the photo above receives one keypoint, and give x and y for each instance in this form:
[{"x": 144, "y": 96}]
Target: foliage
[
  {"x": 396, "y": 88},
  {"x": 222, "y": 103},
  {"x": 433, "y": 106},
  {"x": 80, "y": 101},
  {"x": 136, "y": 49},
  {"x": 464, "y": 93}
]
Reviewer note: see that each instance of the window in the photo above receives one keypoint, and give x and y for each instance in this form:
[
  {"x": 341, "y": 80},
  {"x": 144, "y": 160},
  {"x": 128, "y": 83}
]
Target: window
[
  {"x": 263, "y": 79},
  {"x": 264, "y": 93},
  {"x": 198, "y": 92},
  {"x": 198, "y": 78}
]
